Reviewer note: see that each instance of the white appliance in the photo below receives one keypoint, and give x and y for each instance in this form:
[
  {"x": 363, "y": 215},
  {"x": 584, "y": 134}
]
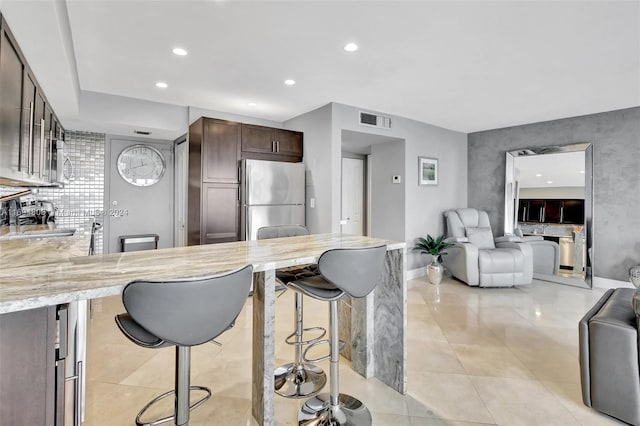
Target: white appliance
[{"x": 273, "y": 193}]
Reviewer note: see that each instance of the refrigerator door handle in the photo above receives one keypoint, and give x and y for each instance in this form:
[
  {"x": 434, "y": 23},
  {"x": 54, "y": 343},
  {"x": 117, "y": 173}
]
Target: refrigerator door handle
[
  {"x": 248, "y": 228},
  {"x": 77, "y": 398}
]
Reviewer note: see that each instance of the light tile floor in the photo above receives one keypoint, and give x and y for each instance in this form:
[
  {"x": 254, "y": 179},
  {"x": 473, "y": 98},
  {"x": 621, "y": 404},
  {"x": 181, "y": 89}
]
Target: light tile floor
[{"x": 475, "y": 357}]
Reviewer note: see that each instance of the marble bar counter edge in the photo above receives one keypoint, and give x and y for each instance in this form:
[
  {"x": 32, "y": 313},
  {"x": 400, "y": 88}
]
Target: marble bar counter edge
[{"x": 34, "y": 285}]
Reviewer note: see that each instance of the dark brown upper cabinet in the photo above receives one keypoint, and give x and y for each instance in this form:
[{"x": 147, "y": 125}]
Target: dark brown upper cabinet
[
  {"x": 26, "y": 139},
  {"x": 220, "y": 151},
  {"x": 271, "y": 143},
  {"x": 288, "y": 142},
  {"x": 11, "y": 72}
]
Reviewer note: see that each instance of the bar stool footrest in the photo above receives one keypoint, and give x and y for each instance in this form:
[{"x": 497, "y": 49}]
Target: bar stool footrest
[
  {"x": 289, "y": 338},
  {"x": 165, "y": 395},
  {"x": 341, "y": 347}
]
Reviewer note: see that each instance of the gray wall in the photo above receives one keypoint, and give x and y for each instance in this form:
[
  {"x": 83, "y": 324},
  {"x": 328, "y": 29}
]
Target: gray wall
[
  {"x": 388, "y": 199},
  {"x": 616, "y": 178},
  {"x": 423, "y": 205},
  {"x": 319, "y": 153}
]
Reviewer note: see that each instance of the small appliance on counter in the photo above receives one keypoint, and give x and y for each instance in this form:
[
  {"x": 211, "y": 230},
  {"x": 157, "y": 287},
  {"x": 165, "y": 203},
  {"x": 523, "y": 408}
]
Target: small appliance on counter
[{"x": 35, "y": 212}]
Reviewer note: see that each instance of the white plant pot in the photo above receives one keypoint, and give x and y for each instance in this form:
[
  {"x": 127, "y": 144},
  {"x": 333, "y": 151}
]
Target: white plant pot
[{"x": 434, "y": 271}]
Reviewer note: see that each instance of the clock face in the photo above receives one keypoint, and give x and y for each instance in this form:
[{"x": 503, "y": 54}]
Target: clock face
[{"x": 141, "y": 165}]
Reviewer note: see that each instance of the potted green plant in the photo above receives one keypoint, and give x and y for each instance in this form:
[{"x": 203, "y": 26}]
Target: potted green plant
[{"x": 436, "y": 248}]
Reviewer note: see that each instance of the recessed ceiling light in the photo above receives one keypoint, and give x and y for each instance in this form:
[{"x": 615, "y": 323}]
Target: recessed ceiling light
[
  {"x": 179, "y": 51},
  {"x": 549, "y": 181},
  {"x": 162, "y": 85},
  {"x": 289, "y": 82},
  {"x": 350, "y": 47},
  {"x": 582, "y": 171},
  {"x": 252, "y": 104},
  {"x": 538, "y": 175}
]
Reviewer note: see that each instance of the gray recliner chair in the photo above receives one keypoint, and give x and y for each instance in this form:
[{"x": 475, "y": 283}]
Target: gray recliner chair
[
  {"x": 610, "y": 355},
  {"x": 478, "y": 259},
  {"x": 546, "y": 255}
]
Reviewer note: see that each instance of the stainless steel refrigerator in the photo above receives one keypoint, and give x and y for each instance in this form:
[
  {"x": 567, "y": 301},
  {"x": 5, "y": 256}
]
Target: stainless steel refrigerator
[{"x": 273, "y": 193}]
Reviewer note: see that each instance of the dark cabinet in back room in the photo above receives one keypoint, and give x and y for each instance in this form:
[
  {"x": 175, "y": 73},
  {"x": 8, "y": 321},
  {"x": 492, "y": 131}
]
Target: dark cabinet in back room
[{"x": 551, "y": 211}]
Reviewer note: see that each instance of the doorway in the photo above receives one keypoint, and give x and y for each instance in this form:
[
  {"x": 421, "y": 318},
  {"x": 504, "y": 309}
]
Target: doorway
[
  {"x": 383, "y": 186},
  {"x": 136, "y": 210},
  {"x": 353, "y": 191}
]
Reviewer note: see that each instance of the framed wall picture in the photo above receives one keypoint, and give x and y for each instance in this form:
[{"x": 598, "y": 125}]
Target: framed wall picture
[{"x": 427, "y": 171}]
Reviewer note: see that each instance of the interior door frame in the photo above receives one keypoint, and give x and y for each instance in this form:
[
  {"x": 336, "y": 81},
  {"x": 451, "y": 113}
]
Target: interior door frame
[
  {"x": 180, "y": 144},
  {"x": 109, "y": 171}
]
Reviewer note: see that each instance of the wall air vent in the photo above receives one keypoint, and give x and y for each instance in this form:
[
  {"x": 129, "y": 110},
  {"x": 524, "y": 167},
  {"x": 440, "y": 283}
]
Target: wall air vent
[
  {"x": 373, "y": 120},
  {"x": 142, "y": 132}
]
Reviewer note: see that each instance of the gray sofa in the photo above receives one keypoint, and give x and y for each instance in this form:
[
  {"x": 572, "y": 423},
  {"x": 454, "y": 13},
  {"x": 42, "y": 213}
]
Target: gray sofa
[{"x": 609, "y": 362}]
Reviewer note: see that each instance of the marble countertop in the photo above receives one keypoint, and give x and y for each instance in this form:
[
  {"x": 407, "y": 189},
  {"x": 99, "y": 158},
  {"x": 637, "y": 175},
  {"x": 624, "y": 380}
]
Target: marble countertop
[
  {"x": 29, "y": 251},
  {"x": 28, "y": 286},
  {"x": 7, "y": 230}
]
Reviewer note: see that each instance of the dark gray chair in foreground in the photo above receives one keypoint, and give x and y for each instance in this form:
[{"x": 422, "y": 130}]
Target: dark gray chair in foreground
[
  {"x": 296, "y": 379},
  {"x": 609, "y": 355},
  {"x": 182, "y": 313},
  {"x": 343, "y": 273}
]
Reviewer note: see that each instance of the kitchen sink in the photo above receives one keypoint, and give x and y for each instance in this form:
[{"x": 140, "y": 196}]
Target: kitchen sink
[{"x": 59, "y": 232}]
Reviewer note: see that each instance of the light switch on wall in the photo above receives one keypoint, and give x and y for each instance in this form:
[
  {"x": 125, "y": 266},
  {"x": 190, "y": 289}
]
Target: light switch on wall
[{"x": 396, "y": 179}]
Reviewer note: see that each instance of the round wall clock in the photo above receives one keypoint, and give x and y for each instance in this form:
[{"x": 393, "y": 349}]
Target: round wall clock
[{"x": 141, "y": 165}]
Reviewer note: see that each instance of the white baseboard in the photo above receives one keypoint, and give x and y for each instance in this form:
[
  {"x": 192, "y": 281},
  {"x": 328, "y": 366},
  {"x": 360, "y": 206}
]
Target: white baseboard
[
  {"x": 415, "y": 273},
  {"x": 599, "y": 282},
  {"x": 609, "y": 283}
]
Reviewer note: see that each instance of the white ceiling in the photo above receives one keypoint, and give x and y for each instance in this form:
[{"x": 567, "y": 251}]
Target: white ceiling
[
  {"x": 564, "y": 169},
  {"x": 466, "y": 66}
]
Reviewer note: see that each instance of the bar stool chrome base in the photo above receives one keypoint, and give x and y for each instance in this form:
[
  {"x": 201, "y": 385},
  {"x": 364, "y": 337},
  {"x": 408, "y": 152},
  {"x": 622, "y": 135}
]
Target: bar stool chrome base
[
  {"x": 193, "y": 406},
  {"x": 318, "y": 411},
  {"x": 299, "y": 380}
]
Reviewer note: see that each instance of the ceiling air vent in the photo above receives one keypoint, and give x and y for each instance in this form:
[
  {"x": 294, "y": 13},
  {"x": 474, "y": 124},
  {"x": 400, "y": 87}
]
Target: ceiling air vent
[
  {"x": 142, "y": 132},
  {"x": 368, "y": 119}
]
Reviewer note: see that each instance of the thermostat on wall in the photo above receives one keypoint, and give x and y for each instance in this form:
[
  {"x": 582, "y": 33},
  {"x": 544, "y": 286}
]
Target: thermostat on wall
[{"x": 396, "y": 179}]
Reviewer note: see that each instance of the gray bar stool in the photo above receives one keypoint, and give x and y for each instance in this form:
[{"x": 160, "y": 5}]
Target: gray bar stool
[
  {"x": 182, "y": 313},
  {"x": 296, "y": 379},
  {"x": 343, "y": 272}
]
